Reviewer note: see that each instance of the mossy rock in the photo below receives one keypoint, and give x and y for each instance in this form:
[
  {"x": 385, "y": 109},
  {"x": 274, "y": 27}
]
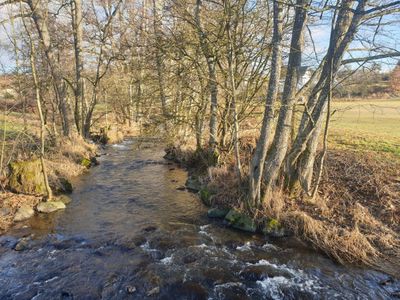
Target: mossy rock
[
  {"x": 217, "y": 213},
  {"x": 85, "y": 162},
  {"x": 240, "y": 221},
  {"x": 26, "y": 177},
  {"x": 273, "y": 228},
  {"x": 206, "y": 196},
  {"x": 193, "y": 184}
]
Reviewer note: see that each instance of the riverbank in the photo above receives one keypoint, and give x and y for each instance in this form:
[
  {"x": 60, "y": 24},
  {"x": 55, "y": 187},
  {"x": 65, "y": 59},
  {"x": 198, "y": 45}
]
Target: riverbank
[
  {"x": 132, "y": 232},
  {"x": 21, "y": 179},
  {"x": 23, "y": 183},
  {"x": 355, "y": 219}
]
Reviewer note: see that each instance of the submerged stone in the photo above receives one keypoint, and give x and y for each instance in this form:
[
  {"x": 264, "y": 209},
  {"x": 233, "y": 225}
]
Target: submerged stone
[
  {"x": 23, "y": 213},
  {"x": 193, "y": 184},
  {"x": 217, "y": 213},
  {"x": 50, "y": 206},
  {"x": 153, "y": 292},
  {"x": 22, "y": 244},
  {"x": 240, "y": 221},
  {"x": 130, "y": 289}
]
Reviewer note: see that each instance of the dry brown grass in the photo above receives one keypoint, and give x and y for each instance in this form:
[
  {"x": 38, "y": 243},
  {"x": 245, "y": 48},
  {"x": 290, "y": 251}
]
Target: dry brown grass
[{"x": 355, "y": 218}]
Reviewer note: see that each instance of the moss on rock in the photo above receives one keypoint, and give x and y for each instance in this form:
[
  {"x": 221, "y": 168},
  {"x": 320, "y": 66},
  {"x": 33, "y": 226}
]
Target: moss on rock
[
  {"x": 273, "y": 227},
  {"x": 205, "y": 196},
  {"x": 26, "y": 177},
  {"x": 85, "y": 162},
  {"x": 217, "y": 213},
  {"x": 240, "y": 221}
]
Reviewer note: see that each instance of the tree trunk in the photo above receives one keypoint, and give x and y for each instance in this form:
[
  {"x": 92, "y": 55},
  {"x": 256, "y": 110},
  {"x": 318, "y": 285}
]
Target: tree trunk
[
  {"x": 280, "y": 144},
  {"x": 300, "y": 161},
  {"x": 77, "y": 28},
  {"x": 258, "y": 160},
  {"x": 40, "y": 20},
  {"x": 212, "y": 79},
  {"x": 159, "y": 61},
  {"x": 42, "y": 124}
]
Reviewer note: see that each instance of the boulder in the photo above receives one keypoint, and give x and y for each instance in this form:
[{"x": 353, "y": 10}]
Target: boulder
[
  {"x": 50, "y": 206},
  {"x": 273, "y": 228},
  {"x": 217, "y": 213},
  {"x": 26, "y": 177},
  {"x": 193, "y": 184},
  {"x": 23, "y": 213},
  {"x": 240, "y": 221},
  {"x": 205, "y": 196}
]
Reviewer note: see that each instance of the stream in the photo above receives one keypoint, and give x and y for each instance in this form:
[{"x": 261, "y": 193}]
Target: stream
[{"x": 132, "y": 233}]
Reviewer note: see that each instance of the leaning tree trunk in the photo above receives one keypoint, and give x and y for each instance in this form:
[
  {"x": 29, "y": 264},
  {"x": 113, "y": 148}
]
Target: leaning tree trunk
[
  {"x": 280, "y": 144},
  {"x": 301, "y": 160},
  {"x": 258, "y": 160}
]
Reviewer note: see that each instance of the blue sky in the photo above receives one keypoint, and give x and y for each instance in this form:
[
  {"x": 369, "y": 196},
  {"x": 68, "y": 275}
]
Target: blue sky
[{"x": 388, "y": 38}]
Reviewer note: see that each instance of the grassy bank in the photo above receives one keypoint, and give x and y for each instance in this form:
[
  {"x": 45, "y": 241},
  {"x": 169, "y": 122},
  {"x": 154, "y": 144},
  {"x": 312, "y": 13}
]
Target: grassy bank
[{"x": 356, "y": 216}]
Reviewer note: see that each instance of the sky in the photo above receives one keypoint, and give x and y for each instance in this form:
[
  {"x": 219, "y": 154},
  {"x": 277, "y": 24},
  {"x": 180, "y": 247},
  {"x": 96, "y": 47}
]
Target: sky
[{"x": 388, "y": 37}]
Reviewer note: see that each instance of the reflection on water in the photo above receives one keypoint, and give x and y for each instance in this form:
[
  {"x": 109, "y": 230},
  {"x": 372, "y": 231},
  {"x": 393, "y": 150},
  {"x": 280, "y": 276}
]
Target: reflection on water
[{"x": 129, "y": 233}]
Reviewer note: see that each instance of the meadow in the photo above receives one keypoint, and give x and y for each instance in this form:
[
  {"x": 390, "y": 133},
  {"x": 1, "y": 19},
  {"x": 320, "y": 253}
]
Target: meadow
[{"x": 370, "y": 125}]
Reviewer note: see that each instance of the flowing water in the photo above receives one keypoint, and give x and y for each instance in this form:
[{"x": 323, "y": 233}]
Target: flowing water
[{"x": 129, "y": 233}]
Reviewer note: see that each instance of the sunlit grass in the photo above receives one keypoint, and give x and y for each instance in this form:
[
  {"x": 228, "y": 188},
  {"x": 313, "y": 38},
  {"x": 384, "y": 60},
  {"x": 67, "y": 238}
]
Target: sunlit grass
[{"x": 371, "y": 125}]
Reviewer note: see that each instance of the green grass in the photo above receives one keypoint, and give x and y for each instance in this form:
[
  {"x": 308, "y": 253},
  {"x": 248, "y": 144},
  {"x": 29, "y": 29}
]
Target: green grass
[{"x": 372, "y": 125}]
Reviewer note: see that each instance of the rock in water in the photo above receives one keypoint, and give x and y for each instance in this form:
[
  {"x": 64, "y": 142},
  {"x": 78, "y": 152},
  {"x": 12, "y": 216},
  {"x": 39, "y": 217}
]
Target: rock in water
[
  {"x": 50, "y": 206},
  {"x": 22, "y": 244},
  {"x": 130, "y": 289},
  {"x": 153, "y": 292},
  {"x": 240, "y": 221},
  {"x": 274, "y": 229},
  {"x": 217, "y": 213},
  {"x": 193, "y": 184},
  {"x": 23, "y": 213},
  {"x": 64, "y": 199}
]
